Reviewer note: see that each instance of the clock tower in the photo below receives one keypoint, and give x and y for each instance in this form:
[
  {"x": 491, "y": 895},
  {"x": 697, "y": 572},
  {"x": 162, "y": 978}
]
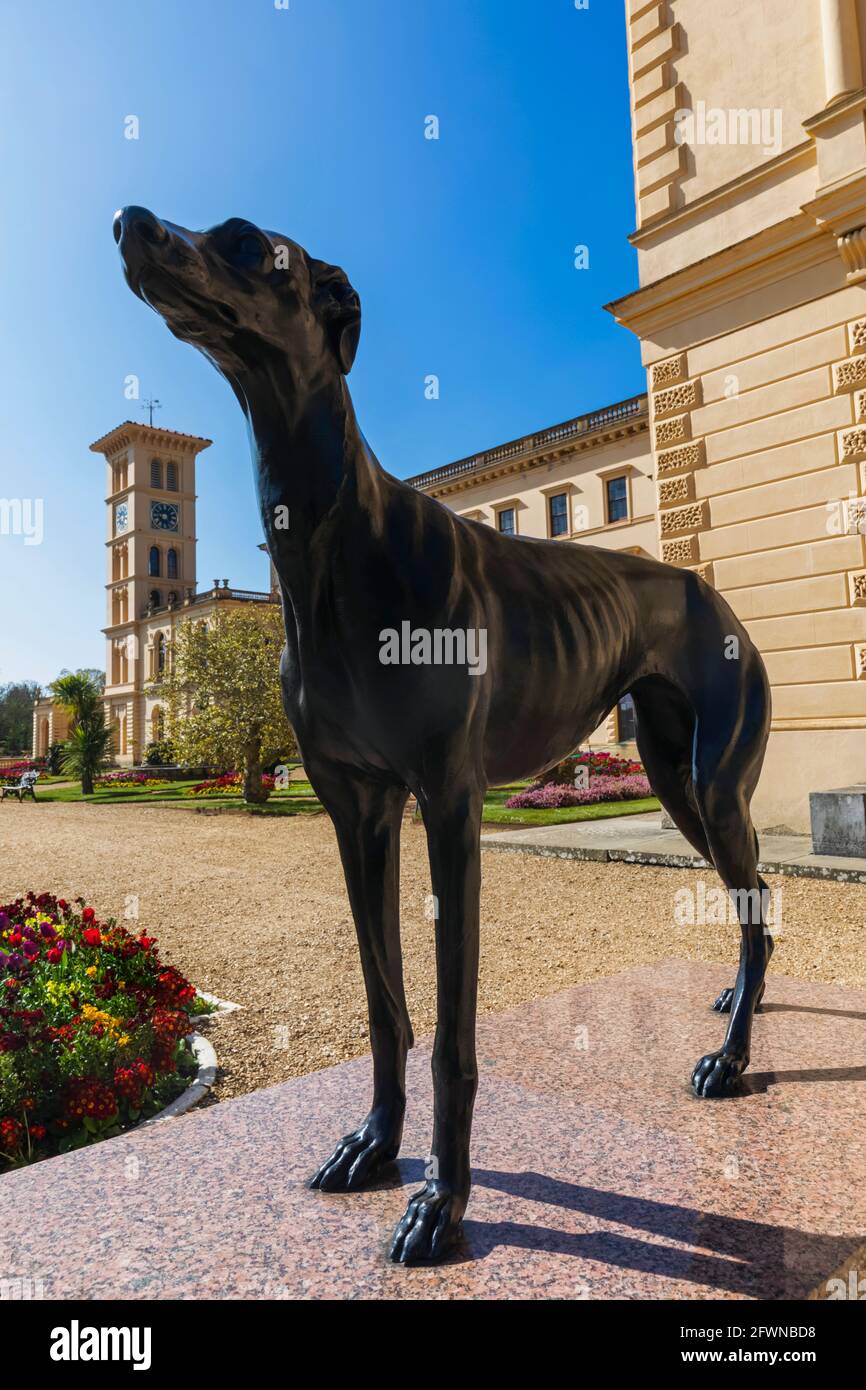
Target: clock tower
[{"x": 150, "y": 560}]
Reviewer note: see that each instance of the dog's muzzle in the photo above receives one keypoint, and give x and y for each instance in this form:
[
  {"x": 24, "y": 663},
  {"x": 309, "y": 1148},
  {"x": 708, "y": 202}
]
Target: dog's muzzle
[{"x": 138, "y": 233}]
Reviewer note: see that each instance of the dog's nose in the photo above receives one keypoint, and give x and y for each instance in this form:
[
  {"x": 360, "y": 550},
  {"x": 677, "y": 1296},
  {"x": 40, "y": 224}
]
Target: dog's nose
[{"x": 139, "y": 222}]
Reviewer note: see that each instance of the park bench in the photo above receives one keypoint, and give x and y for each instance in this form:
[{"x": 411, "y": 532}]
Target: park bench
[{"x": 25, "y": 786}]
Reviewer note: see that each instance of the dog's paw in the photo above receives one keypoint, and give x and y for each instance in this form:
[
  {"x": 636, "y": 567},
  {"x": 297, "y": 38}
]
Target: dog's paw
[
  {"x": 717, "y": 1074},
  {"x": 359, "y": 1157},
  {"x": 430, "y": 1227},
  {"x": 723, "y": 1004}
]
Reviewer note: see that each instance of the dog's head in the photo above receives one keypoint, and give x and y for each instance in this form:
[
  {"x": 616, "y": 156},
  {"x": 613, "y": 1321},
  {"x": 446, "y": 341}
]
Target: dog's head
[{"x": 241, "y": 295}]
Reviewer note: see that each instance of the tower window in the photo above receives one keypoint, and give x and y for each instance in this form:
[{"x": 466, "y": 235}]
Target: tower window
[
  {"x": 616, "y": 492},
  {"x": 153, "y": 562},
  {"x": 171, "y": 477},
  {"x": 155, "y": 473},
  {"x": 171, "y": 563},
  {"x": 505, "y": 521},
  {"x": 160, "y": 651},
  {"x": 558, "y": 511},
  {"x": 154, "y": 598}
]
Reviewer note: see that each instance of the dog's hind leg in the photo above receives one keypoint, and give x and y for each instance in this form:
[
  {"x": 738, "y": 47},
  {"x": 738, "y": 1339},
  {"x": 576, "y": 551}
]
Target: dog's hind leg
[
  {"x": 367, "y": 817},
  {"x": 728, "y": 753},
  {"x": 665, "y": 739}
]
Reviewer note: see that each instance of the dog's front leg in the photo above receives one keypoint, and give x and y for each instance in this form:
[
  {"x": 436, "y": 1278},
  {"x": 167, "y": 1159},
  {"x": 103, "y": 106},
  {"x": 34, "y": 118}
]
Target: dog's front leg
[
  {"x": 433, "y": 1218},
  {"x": 368, "y": 817}
]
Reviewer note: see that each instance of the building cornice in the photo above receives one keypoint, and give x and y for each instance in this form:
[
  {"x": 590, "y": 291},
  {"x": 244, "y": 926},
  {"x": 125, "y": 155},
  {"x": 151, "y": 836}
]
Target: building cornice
[
  {"x": 130, "y": 432},
  {"x": 768, "y": 256},
  {"x": 530, "y": 451}
]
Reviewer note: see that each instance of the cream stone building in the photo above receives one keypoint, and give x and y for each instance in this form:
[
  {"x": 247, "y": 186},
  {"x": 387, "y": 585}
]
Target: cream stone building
[
  {"x": 150, "y": 549},
  {"x": 589, "y": 479},
  {"x": 749, "y": 149},
  {"x": 749, "y": 145}
]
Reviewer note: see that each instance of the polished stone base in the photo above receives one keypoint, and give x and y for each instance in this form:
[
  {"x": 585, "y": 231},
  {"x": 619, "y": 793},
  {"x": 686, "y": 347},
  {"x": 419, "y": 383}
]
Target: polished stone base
[{"x": 597, "y": 1172}]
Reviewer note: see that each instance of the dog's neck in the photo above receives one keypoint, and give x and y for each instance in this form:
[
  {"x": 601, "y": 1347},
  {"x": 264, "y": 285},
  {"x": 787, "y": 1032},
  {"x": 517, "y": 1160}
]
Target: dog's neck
[{"x": 309, "y": 455}]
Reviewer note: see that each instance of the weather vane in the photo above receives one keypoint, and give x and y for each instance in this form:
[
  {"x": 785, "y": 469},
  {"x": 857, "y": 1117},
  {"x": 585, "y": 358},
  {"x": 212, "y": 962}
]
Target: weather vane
[{"x": 151, "y": 406}]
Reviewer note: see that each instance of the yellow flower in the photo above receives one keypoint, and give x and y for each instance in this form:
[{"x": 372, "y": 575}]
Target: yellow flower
[
  {"x": 91, "y": 970},
  {"x": 123, "y": 1040}
]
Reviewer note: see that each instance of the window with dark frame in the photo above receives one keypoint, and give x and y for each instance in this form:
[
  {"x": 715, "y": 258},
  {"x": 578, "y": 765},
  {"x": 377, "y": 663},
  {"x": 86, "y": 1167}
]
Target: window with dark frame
[
  {"x": 625, "y": 720},
  {"x": 155, "y": 473},
  {"x": 153, "y": 562},
  {"x": 505, "y": 521},
  {"x": 557, "y": 507},
  {"x": 617, "y": 499}
]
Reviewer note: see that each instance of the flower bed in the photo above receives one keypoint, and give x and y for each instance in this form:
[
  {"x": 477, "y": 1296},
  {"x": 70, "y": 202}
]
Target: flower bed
[
  {"x": 127, "y": 781},
  {"x": 230, "y": 784},
  {"x": 13, "y": 772},
  {"x": 598, "y": 764},
  {"x": 92, "y": 1028},
  {"x": 555, "y": 795}
]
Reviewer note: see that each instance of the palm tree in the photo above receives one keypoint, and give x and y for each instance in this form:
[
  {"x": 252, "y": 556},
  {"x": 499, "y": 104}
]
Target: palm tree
[
  {"x": 87, "y": 750},
  {"x": 89, "y": 745},
  {"x": 78, "y": 693}
]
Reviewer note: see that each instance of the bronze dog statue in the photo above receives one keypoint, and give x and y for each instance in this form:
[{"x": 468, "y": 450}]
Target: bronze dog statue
[{"x": 565, "y": 631}]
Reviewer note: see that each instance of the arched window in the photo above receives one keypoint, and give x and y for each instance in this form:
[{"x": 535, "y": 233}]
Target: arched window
[
  {"x": 154, "y": 599},
  {"x": 157, "y": 724},
  {"x": 171, "y": 477},
  {"x": 155, "y": 473},
  {"x": 153, "y": 562},
  {"x": 160, "y": 651},
  {"x": 171, "y": 561}
]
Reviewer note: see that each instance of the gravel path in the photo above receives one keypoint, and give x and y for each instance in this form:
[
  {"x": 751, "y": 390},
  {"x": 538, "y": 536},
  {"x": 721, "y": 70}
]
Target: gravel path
[{"x": 255, "y": 911}]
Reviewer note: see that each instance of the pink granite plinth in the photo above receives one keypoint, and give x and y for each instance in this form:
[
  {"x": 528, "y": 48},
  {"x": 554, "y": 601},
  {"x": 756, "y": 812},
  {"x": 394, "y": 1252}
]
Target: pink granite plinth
[{"x": 597, "y": 1173}]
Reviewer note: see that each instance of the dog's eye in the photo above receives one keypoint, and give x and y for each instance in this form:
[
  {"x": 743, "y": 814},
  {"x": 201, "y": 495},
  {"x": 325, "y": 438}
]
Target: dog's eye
[{"x": 248, "y": 250}]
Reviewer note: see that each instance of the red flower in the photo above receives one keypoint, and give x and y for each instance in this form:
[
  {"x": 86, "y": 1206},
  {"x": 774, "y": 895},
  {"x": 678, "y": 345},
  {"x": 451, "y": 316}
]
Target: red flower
[
  {"x": 88, "y": 914},
  {"x": 38, "y": 1131},
  {"x": 87, "y": 1096},
  {"x": 11, "y": 1135},
  {"x": 54, "y": 955},
  {"x": 90, "y": 936}
]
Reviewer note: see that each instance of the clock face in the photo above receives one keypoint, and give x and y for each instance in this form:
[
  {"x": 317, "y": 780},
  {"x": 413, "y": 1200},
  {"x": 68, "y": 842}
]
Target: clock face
[
  {"x": 121, "y": 516},
  {"x": 163, "y": 516}
]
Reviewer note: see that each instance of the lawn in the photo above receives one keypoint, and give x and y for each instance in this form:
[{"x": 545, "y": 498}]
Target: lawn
[{"x": 300, "y": 799}]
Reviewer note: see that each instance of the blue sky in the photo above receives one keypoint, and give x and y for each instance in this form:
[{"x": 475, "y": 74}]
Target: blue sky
[{"x": 309, "y": 121}]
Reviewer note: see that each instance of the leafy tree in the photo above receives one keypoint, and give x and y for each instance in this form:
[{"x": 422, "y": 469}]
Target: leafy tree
[
  {"x": 89, "y": 745},
  {"x": 221, "y": 692},
  {"x": 16, "y": 715}
]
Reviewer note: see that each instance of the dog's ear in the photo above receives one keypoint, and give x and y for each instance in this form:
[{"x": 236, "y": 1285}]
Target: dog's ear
[{"x": 339, "y": 309}]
